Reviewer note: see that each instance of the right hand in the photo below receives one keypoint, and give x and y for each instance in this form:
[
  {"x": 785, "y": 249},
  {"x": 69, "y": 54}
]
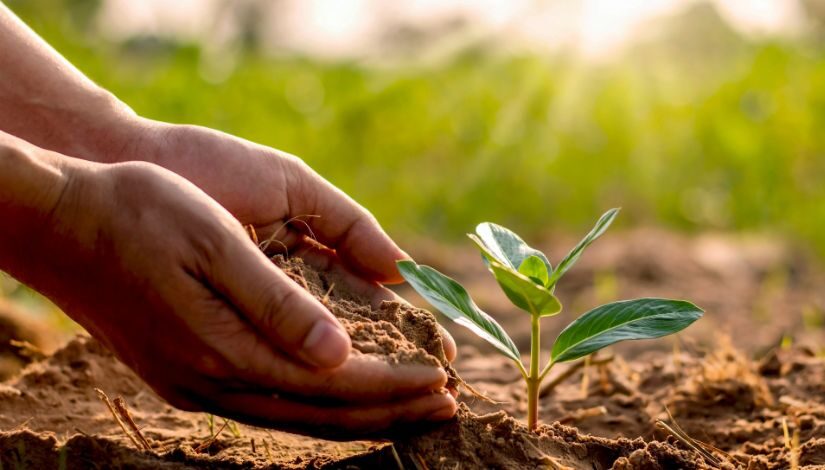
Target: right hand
[{"x": 168, "y": 279}]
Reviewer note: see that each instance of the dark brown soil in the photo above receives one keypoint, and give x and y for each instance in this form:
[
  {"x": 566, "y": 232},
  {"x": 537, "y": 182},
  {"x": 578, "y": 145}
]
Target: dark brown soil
[{"x": 735, "y": 397}]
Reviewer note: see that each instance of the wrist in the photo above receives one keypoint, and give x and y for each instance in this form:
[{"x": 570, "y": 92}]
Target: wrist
[
  {"x": 109, "y": 131},
  {"x": 32, "y": 183},
  {"x": 94, "y": 126},
  {"x": 50, "y": 204}
]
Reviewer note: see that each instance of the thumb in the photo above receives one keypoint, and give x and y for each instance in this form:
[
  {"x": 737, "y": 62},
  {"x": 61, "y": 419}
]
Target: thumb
[{"x": 281, "y": 311}]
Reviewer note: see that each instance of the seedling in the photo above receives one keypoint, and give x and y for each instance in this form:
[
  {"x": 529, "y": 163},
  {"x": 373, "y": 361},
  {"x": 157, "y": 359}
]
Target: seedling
[{"x": 529, "y": 280}]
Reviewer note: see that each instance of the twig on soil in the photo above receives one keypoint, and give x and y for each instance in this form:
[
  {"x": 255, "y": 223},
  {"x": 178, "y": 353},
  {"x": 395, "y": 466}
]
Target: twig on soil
[
  {"x": 120, "y": 406},
  {"x": 325, "y": 299},
  {"x": 700, "y": 447},
  {"x": 266, "y": 451},
  {"x": 792, "y": 443},
  {"x": 704, "y": 445},
  {"x": 569, "y": 372},
  {"x": 419, "y": 462},
  {"x": 272, "y": 238},
  {"x": 475, "y": 393},
  {"x": 298, "y": 277},
  {"x": 105, "y": 399},
  {"x": 795, "y": 450},
  {"x": 233, "y": 428},
  {"x": 250, "y": 230},
  {"x": 585, "y": 377},
  {"x": 397, "y": 457},
  {"x": 22, "y": 425},
  {"x": 252, "y": 444},
  {"x": 205, "y": 444}
]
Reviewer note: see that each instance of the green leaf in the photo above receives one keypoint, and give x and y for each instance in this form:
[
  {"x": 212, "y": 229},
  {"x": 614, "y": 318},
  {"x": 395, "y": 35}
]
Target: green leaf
[
  {"x": 524, "y": 293},
  {"x": 534, "y": 268},
  {"x": 506, "y": 247},
  {"x": 521, "y": 290},
  {"x": 620, "y": 321},
  {"x": 451, "y": 299},
  {"x": 604, "y": 221}
]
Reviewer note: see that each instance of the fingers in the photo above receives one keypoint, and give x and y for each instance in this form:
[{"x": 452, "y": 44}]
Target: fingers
[
  {"x": 284, "y": 313},
  {"x": 360, "y": 379},
  {"x": 447, "y": 341},
  {"x": 331, "y": 422},
  {"x": 344, "y": 226}
]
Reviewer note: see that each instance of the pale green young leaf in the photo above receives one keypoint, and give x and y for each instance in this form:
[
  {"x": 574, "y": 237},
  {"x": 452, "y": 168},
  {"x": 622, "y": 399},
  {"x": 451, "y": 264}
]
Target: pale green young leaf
[
  {"x": 451, "y": 299},
  {"x": 534, "y": 268},
  {"x": 603, "y": 223},
  {"x": 620, "y": 321},
  {"x": 507, "y": 247},
  {"x": 521, "y": 290},
  {"x": 524, "y": 293}
]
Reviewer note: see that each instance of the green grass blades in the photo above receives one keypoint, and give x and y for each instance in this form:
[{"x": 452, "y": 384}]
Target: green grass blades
[
  {"x": 601, "y": 226},
  {"x": 451, "y": 299},
  {"x": 621, "y": 321}
]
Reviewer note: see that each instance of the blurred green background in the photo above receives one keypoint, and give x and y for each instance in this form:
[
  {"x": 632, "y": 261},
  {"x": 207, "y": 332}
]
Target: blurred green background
[{"x": 694, "y": 127}]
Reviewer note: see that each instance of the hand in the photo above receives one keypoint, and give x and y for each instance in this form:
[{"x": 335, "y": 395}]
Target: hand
[
  {"x": 169, "y": 280},
  {"x": 276, "y": 193}
]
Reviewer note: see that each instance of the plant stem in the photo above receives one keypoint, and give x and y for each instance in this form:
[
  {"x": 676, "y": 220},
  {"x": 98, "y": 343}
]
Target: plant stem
[{"x": 534, "y": 379}]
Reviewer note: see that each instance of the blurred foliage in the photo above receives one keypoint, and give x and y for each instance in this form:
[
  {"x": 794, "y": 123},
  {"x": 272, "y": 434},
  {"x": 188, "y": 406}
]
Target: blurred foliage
[{"x": 695, "y": 127}]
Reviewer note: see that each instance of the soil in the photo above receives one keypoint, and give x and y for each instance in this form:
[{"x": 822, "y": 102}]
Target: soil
[{"x": 735, "y": 395}]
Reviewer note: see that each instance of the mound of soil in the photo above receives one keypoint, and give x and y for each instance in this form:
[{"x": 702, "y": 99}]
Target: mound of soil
[{"x": 51, "y": 416}]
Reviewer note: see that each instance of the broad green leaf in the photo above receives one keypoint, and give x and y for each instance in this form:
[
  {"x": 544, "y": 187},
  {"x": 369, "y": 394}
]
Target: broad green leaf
[
  {"x": 534, "y": 268},
  {"x": 524, "y": 293},
  {"x": 507, "y": 247},
  {"x": 604, "y": 221},
  {"x": 451, "y": 299},
  {"x": 620, "y": 321}
]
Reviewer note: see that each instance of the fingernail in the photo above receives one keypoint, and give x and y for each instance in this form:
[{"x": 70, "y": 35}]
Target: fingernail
[
  {"x": 326, "y": 345},
  {"x": 446, "y": 410},
  {"x": 442, "y": 414}
]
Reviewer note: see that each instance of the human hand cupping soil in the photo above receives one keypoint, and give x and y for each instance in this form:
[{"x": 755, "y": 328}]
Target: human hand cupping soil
[
  {"x": 287, "y": 203},
  {"x": 169, "y": 280}
]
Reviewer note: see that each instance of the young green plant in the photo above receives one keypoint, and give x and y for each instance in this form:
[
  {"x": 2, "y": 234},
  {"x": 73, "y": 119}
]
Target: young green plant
[{"x": 529, "y": 280}]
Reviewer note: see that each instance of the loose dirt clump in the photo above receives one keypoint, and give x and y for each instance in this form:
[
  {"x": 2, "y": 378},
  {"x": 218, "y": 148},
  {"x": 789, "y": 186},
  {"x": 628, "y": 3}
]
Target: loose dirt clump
[{"x": 395, "y": 332}]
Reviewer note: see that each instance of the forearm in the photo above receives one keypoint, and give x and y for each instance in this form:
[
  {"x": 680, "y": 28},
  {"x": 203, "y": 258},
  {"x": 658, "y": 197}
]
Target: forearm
[
  {"x": 48, "y": 102},
  {"x": 32, "y": 181}
]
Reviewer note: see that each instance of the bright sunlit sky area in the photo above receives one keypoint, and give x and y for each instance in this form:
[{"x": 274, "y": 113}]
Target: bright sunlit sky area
[{"x": 351, "y": 28}]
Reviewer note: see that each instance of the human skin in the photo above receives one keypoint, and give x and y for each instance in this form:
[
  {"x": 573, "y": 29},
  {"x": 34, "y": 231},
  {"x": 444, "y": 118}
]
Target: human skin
[{"x": 139, "y": 238}]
